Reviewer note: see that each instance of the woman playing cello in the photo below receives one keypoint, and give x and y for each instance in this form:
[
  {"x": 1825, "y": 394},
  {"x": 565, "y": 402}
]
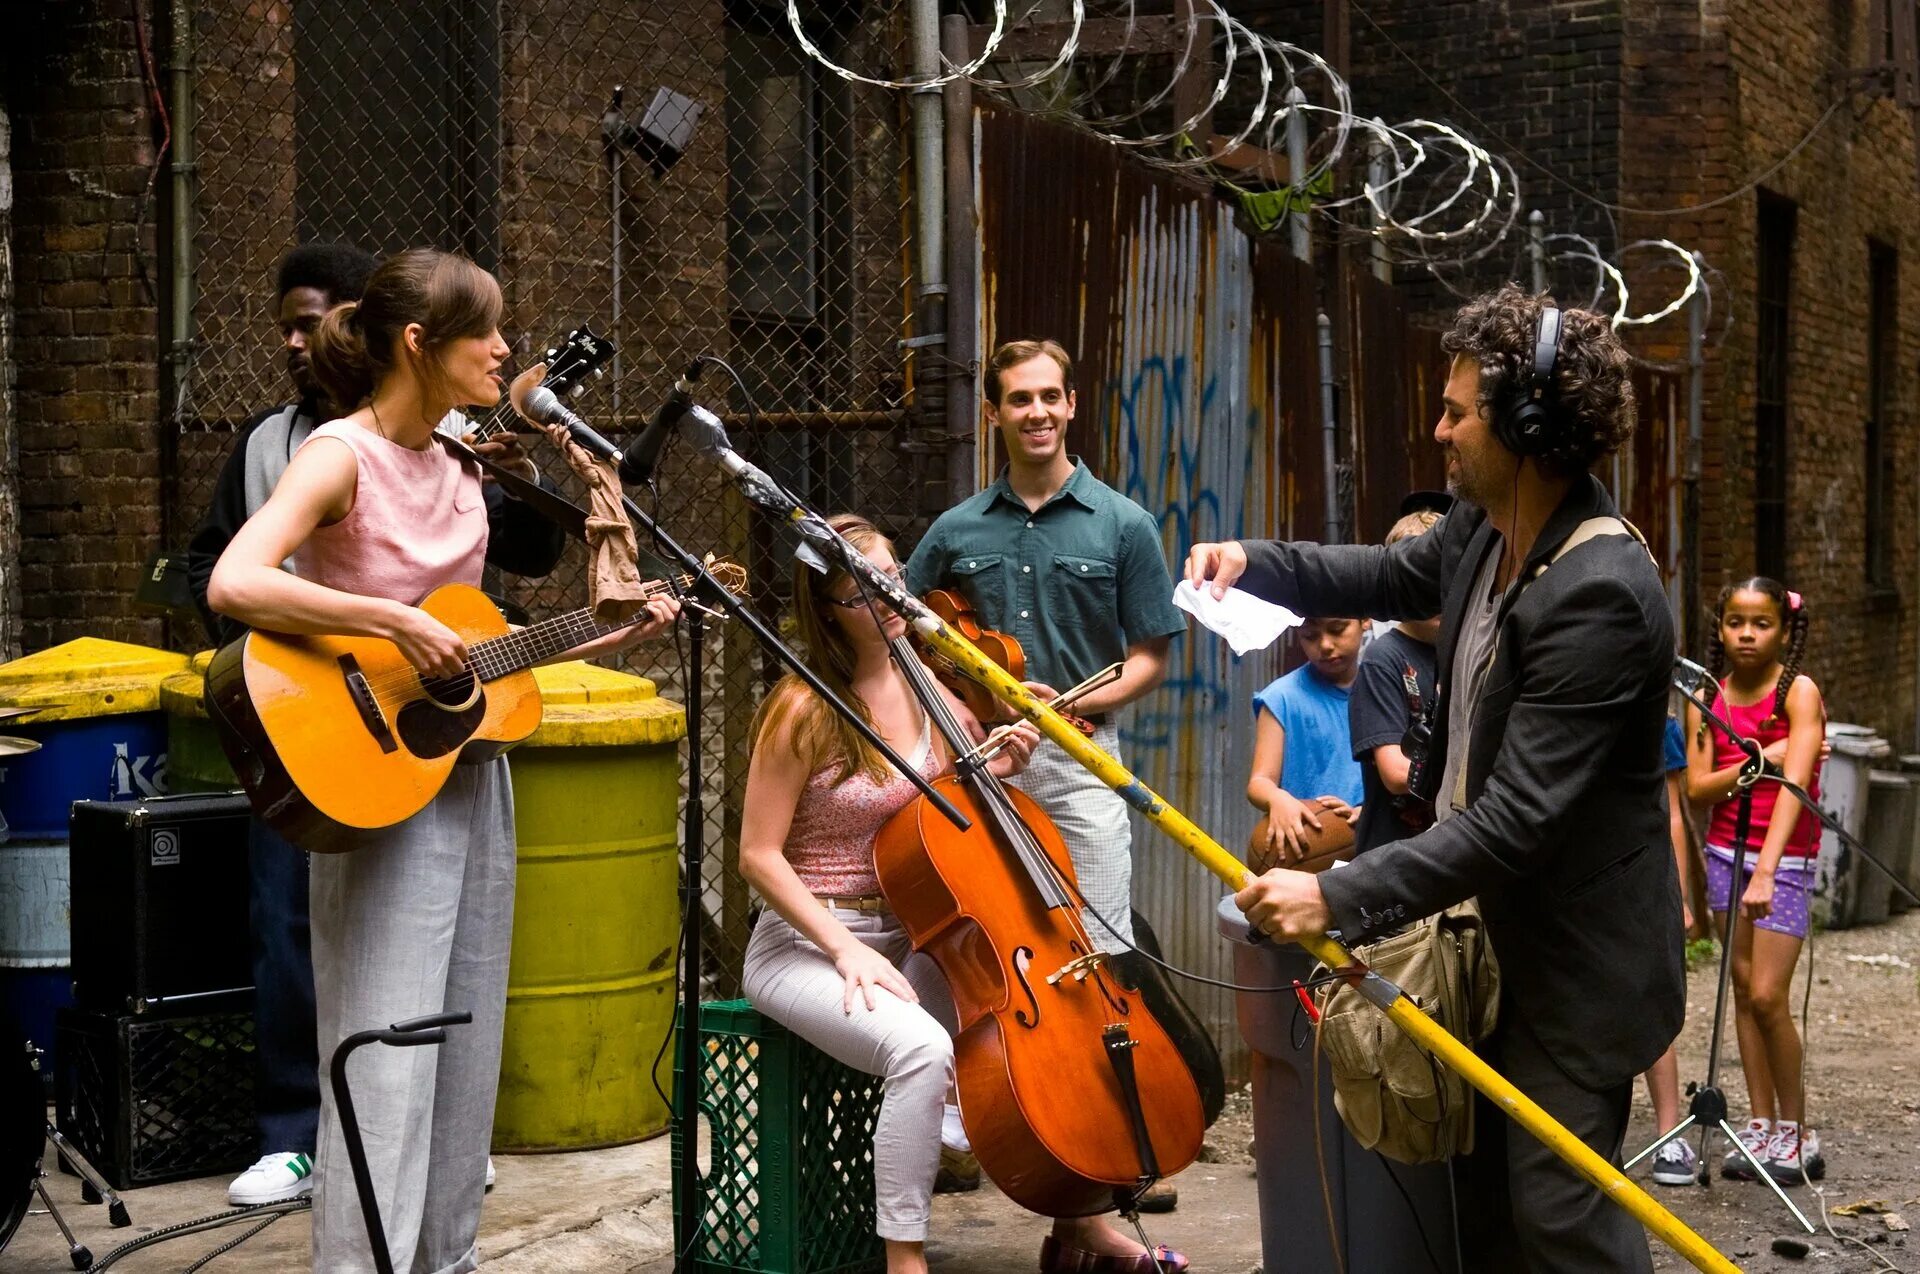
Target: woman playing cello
[{"x": 827, "y": 959}]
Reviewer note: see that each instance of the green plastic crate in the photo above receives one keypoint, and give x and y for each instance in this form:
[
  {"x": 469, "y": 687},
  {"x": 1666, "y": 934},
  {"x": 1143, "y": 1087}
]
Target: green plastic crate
[{"x": 789, "y": 1183}]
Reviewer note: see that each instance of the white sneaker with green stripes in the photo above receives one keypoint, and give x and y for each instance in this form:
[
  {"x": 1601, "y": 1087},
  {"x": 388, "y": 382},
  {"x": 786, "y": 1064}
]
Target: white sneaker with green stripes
[{"x": 273, "y": 1178}]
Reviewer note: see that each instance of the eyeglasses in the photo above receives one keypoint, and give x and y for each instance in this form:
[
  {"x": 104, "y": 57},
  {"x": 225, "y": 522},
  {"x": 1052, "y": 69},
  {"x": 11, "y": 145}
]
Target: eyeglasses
[{"x": 859, "y": 600}]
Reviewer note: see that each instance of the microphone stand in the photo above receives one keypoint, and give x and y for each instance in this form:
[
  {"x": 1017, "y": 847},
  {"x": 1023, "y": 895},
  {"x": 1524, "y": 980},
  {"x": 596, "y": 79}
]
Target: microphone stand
[
  {"x": 690, "y": 1192},
  {"x": 1708, "y": 1107}
]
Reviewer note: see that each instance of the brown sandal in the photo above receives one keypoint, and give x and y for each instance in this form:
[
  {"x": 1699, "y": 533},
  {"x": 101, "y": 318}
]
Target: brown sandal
[{"x": 1062, "y": 1258}]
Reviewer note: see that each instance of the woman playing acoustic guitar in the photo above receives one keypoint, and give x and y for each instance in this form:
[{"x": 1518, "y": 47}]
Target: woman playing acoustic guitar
[
  {"x": 374, "y": 514},
  {"x": 827, "y": 959}
]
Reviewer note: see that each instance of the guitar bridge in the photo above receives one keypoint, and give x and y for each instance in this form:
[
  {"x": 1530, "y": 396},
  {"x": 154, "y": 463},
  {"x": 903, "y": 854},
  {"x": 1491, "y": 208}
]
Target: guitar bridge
[
  {"x": 367, "y": 705},
  {"x": 1078, "y": 969}
]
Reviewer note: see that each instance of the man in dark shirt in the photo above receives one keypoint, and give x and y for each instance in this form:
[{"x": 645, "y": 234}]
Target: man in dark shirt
[
  {"x": 1394, "y": 684},
  {"x": 313, "y": 279}
]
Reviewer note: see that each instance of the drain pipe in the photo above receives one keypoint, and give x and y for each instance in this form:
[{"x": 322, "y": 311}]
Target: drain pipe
[
  {"x": 611, "y": 136},
  {"x": 963, "y": 296},
  {"x": 1329, "y": 431},
  {"x": 181, "y": 174},
  {"x": 928, "y": 345},
  {"x": 1690, "y": 488},
  {"x": 1537, "y": 249}
]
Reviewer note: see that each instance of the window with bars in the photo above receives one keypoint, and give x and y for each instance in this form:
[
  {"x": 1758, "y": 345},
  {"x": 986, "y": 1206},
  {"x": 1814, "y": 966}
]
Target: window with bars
[
  {"x": 405, "y": 151},
  {"x": 1883, "y": 343},
  {"x": 1773, "y": 281}
]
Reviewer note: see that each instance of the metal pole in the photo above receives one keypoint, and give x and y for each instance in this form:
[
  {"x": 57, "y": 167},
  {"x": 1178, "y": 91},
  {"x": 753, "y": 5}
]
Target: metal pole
[
  {"x": 1537, "y": 249},
  {"x": 1297, "y": 165},
  {"x": 1376, "y": 180},
  {"x": 963, "y": 287},
  {"x": 1690, "y": 488},
  {"x": 1329, "y": 431}
]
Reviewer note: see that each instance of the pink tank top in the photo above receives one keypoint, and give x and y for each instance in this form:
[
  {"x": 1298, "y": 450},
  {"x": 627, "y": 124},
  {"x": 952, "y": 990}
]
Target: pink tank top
[
  {"x": 830, "y": 843},
  {"x": 418, "y": 521},
  {"x": 1805, "y": 841}
]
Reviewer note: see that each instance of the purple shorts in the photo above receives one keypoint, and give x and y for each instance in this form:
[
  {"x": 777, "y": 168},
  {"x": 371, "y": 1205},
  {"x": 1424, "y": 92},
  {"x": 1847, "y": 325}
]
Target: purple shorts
[{"x": 1792, "y": 891}]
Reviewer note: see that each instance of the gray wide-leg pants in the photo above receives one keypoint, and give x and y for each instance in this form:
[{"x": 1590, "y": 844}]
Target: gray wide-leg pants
[{"x": 418, "y": 919}]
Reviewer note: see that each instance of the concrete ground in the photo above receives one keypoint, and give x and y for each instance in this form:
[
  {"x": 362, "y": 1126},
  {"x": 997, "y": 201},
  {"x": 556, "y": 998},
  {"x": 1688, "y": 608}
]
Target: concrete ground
[
  {"x": 611, "y": 1211},
  {"x": 595, "y": 1210}
]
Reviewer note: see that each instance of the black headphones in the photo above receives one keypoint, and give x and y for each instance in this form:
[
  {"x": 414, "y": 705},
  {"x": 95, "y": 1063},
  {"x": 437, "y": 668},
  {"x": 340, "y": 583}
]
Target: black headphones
[{"x": 1525, "y": 421}]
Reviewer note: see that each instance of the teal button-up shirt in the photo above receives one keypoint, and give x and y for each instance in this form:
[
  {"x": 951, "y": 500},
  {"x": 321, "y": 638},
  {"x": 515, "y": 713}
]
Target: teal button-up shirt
[{"x": 1076, "y": 581}]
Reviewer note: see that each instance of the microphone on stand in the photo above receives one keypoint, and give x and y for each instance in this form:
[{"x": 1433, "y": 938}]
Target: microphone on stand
[
  {"x": 643, "y": 453},
  {"x": 544, "y": 405}
]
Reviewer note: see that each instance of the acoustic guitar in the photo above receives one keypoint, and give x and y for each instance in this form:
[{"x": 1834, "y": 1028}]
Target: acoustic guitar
[{"x": 334, "y": 735}]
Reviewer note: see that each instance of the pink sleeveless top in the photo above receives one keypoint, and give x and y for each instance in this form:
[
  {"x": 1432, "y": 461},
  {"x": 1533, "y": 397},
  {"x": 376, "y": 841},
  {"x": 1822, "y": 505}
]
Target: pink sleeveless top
[
  {"x": 831, "y": 841},
  {"x": 1805, "y": 841},
  {"x": 418, "y": 521}
]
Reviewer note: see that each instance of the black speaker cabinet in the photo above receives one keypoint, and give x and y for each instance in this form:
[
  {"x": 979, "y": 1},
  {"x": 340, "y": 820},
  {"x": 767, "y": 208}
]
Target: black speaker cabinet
[{"x": 159, "y": 902}]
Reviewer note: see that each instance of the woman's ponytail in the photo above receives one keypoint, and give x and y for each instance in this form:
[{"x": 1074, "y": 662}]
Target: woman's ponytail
[{"x": 337, "y": 352}]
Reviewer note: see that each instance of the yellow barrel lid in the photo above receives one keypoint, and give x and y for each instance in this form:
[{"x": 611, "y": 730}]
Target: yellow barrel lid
[
  {"x": 184, "y": 693},
  {"x": 589, "y": 706},
  {"x": 87, "y": 677}
]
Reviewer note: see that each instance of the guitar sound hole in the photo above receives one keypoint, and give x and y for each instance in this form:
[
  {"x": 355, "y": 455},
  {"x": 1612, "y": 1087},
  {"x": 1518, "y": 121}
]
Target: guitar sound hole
[{"x": 449, "y": 692}]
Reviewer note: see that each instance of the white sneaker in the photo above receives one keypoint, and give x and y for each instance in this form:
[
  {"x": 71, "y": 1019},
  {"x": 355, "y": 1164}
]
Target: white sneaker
[
  {"x": 1674, "y": 1164},
  {"x": 1754, "y": 1137},
  {"x": 274, "y": 1178},
  {"x": 489, "y": 1172},
  {"x": 1793, "y": 1155}
]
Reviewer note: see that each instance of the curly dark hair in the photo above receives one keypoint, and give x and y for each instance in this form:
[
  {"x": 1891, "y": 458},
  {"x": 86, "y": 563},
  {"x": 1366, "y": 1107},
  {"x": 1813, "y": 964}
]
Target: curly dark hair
[
  {"x": 1592, "y": 380},
  {"x": 339, "y": 270},
  {"x": 1793, "y": 614}
]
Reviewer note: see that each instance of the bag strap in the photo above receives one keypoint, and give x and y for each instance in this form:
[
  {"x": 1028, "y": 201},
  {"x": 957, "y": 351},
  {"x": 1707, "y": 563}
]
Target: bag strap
[{"x": 1591, "y": 529}]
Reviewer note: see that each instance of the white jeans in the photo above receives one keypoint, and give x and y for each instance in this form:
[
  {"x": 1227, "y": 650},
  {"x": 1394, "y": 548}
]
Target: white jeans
[{"x": 910, "y": 1046}]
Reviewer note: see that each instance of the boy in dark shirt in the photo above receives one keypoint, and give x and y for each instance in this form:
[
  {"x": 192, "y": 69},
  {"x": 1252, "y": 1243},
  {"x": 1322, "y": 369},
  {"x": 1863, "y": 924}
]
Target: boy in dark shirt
[{"x": 1396, "y": 678}]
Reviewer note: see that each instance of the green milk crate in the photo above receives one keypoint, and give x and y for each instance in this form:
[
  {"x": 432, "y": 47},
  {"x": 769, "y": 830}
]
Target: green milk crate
[{"x": 789, "y": 1182}]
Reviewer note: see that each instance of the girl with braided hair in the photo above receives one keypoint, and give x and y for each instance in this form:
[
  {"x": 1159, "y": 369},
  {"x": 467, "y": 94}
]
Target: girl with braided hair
[{"x": 1758, "y": 641}]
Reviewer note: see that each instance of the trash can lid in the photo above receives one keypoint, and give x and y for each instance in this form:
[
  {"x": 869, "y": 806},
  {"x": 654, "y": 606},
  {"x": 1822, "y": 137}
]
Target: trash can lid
[
  {"x": 589, "y": 706},
  {"x": 184, "y": 694},
  {"x": 87, "y": 677}
]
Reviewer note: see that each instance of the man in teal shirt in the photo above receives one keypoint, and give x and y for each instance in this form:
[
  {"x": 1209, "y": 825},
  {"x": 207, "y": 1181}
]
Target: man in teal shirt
[{"x": 1073, "y": 569}]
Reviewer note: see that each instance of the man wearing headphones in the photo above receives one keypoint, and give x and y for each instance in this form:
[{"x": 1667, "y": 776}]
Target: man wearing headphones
[{"x": 1544, "y": 764}]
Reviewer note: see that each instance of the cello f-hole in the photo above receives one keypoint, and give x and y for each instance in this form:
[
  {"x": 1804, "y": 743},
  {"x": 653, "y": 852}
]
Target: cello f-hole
[{"x": 1022, "y": 958}]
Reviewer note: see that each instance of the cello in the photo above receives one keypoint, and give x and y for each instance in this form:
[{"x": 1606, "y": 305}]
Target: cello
[{"x": 1076, "y": 1099}]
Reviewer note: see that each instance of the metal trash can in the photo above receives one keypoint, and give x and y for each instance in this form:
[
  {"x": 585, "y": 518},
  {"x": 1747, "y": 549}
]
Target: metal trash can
[
  {"x": 95, "y": 713},
  {"x": 195, "y": 760},
  {"x": 590, "y": 991},
  {"x": 1896, "y": 901},
  {"x": 1841, "y": 881},
  {"x": 1376, "y": 1223}
]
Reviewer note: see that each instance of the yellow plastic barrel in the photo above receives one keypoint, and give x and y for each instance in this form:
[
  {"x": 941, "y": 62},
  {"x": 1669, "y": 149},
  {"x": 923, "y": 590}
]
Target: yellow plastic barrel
[
  {"x": 590, "y": 991},
  {"x": 195, "y": 762}
]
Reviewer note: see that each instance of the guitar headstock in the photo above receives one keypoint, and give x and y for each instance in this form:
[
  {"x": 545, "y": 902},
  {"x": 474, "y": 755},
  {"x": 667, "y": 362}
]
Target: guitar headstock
[{"x": 581, "y": 355}]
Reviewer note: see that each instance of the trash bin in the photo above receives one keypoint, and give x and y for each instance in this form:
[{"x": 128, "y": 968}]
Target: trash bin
[
  {"x": 95, "y": 713},
  {"x": 1897, "y": 902},
  {"x": 590, "y": 992},
  {"x": 1376, "y": 1223},
  {"x": 1889, "y": 834},
  {"x": 1840, "y": 879},
  {"x": 195, "y": 760}
]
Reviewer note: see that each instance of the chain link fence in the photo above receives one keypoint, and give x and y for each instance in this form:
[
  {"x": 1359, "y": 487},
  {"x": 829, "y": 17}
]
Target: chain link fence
[{"x": 539, "y": 137}]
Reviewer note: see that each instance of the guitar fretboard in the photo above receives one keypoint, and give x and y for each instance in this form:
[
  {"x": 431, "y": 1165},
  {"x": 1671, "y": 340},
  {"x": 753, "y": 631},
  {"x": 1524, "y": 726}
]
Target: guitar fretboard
[{"x": 525, "y": 647}]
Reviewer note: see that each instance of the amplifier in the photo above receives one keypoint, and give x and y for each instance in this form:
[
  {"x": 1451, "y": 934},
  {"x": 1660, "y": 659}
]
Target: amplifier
[{"x": 159, "y": 901}]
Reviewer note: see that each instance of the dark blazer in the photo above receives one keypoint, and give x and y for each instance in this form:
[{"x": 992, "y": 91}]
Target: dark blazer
[{"x": 1564, "y": 838}]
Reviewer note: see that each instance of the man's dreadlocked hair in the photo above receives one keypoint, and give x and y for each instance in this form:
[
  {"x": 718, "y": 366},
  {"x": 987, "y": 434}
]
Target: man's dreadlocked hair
[{"x": 1793, "y": 613}]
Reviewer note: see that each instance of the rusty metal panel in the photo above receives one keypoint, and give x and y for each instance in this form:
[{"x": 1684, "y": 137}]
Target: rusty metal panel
[
  {"x": 1395, "y": 372},
  {"x": 1196, "y": 369}
]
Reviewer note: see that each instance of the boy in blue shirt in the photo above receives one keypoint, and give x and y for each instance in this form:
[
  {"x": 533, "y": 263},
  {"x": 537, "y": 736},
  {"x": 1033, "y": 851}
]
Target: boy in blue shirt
[{"x": 1303, "y": 766}]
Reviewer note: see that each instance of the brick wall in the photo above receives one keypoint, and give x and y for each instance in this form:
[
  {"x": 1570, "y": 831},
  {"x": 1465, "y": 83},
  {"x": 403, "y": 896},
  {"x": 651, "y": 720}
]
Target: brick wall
[
  {"x": 1716, "y": 95},
  {"x": 86, "y": 334}
]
